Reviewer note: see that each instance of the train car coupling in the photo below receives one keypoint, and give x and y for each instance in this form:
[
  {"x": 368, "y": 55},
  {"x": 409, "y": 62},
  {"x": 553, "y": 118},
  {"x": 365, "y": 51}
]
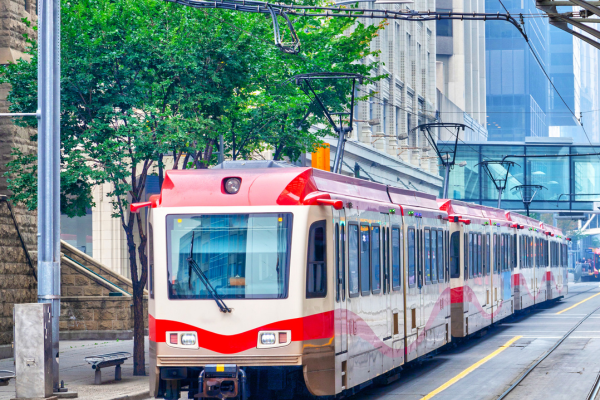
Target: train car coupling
[{"x": 222, "y": 381}]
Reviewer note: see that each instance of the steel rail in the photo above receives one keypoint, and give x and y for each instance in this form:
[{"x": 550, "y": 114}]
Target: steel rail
[
  {"x": 539, "y": 361},
  {"x": 594, "y": 391}
]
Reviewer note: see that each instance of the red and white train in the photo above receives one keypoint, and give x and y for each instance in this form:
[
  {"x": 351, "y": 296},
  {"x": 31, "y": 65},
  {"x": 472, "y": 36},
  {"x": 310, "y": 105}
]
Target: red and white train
[{"x": 276, "y": 282}]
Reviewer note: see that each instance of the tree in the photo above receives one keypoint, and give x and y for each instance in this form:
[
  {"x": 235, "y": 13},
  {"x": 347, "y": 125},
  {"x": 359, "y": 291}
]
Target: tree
[{"x": 141, "y": 79}]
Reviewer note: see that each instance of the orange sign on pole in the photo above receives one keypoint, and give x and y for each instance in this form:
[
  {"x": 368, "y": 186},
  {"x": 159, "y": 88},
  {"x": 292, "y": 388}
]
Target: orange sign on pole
[{"x": 320, "y": 158}]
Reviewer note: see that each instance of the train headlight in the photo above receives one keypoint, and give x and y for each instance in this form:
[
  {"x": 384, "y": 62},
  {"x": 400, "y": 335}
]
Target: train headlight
[
  {"x": 188, "y": 339},
  {"x": 267, "y": 338},
  {"x": 232, "y": 185}
]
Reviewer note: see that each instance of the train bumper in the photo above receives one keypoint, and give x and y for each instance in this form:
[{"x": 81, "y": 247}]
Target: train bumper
[{"x": 222, "y": 381}]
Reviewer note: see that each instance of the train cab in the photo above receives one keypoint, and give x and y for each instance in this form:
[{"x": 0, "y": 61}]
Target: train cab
[
  {"x": 315, "y": 282},
  {"x": 470, "y": 267}
]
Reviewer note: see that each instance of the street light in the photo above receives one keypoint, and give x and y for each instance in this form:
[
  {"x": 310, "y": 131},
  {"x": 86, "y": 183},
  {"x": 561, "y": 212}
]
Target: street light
[{"x": 495, "y": 170}]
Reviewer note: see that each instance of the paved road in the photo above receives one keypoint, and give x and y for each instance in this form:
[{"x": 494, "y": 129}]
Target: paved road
[
  {"x": 483, "y": 368},
  {"x": 568, "y": 373}
]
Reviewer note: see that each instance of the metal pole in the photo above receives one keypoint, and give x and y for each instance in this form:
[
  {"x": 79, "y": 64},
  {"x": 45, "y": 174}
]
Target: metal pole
[
  {"x": 527, "y": 208},
  {"x": 49, "y": 167},
  {"x": 337, "y": 163},
  {"x": 499, "y": 197},
  {"x": 446, "y": 177}
]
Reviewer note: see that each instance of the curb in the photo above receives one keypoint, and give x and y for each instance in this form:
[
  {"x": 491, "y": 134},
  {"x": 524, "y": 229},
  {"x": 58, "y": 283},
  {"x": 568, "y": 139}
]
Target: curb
[{"x": 135, "y": 396}]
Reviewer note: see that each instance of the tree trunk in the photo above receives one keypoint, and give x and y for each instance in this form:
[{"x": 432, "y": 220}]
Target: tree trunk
[{"x": 139, "y": 357}]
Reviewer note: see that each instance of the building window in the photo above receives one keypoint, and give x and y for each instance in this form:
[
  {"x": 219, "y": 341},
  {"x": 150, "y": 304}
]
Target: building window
[
  {"x": 384, "y": 117},
  {"x": 77, "y": 231},
  {"x": 444, "y": 26}
]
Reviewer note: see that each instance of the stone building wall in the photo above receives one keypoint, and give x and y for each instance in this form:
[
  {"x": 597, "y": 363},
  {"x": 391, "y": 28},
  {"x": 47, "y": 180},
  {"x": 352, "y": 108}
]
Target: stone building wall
[
  {"x": 96, "y": 302},
  {"x": 17, "y": 279},
  {"x": 97, "y": 317}
]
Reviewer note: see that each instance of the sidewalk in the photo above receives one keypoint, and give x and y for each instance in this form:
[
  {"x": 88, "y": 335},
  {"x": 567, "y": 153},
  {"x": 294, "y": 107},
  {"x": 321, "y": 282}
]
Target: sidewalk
[{"x": 79, "y": 376}]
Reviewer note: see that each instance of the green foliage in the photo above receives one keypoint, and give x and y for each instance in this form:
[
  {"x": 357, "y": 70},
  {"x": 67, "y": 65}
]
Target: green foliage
[{"x": 144, "y": 78}]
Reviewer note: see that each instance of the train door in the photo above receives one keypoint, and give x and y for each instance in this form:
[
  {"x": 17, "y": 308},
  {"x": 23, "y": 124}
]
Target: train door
[
  {"x": 397, "y": 294},
  {"x": 421, "y": 276},
  {"x": 536, "y": 269},
  {"x": 341, "y": 320},
  {"x": 385, "y": 261}
]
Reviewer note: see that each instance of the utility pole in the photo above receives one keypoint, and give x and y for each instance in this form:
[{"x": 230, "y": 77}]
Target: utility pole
[{"x": 49, "y": 167}]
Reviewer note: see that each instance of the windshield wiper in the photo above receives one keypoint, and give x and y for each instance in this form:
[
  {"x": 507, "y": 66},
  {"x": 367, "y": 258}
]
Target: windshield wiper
[{"x": 193, "y": 265}]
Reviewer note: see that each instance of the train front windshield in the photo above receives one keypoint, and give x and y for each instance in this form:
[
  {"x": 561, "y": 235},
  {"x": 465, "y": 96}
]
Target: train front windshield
[{"x": 244, "y": 256}]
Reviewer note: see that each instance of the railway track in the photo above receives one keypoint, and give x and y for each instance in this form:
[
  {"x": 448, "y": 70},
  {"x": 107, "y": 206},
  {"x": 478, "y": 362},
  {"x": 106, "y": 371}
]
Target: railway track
[{"x": 596, "y": 387}]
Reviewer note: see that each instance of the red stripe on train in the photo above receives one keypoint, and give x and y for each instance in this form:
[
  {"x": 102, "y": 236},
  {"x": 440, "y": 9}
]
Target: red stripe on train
[
  {"x": 317, "y": 326},
  {"x": 456, "y": 295}
]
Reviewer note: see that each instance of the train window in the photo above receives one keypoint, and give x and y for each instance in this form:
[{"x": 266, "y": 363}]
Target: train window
[
  {"x": 433, "y": 256},
  {"x": 447, "y": 255},
  {"x": 500, "y": 253},
  {"x": 337, "y": 262},
  {"x": 455, "y": 255},
  {"x": 150, "y": 259},
  {"x": 387, "y": 262},
  {"x": 440, "y": 255},
  {"x": 316, "y": 273},
  {"x": 245, "y": 256},
  {"x": 471, "y": 258},
  {"x": 466, "y": 256},
  {"x": 375, "y": 260},
  {"x": 365, "y": 261},
  {"x": 419, "y": 257},
  {"x": 487, "y": 254},
  {"x": 427, "y": 257},
  {"x": 411, "y": 257},
  {"x": 495, "y": 250},
  {"x": 396, "y": 258},
  {"x": 514, "y": 252},
  {"x": 353, "y": 271},
  {"x": 343, "y": 263},
  {"x": 506, "y": 252},
  {"x": 479, "y": 255}
]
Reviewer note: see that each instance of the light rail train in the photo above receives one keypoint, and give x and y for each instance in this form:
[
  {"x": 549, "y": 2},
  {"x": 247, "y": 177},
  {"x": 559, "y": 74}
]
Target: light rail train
[{"x": 281, "y": 282}]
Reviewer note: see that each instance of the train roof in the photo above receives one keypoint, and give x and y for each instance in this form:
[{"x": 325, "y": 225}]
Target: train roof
[
  {"x": 551, "y": 228},
  {"x": 522, "y": 219},
  {"x": 277, "y": 184},
  {"x": 461, "y": 208}
]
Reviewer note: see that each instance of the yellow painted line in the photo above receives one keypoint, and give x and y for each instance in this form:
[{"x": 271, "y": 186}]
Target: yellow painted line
[
  {"x": 471, "y": 368},
  {"x": 581, "y": 302}
]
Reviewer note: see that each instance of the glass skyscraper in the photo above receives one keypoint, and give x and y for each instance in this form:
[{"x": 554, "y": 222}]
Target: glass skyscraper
[{"x": 517, "y": 90}]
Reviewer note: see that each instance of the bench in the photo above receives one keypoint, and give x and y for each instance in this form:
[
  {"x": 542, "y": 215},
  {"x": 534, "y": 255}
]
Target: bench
[
  {"x": 107, "y": 360},
  {"x": 5, "y": 377}
]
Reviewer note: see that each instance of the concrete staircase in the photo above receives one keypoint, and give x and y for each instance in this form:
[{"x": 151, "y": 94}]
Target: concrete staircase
[{"x": 95, "y": 301}]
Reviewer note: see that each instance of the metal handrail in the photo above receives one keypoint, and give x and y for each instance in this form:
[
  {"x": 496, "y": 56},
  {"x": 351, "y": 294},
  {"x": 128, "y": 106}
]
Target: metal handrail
[
  {"x": 3, "y": 198},
  {"x": 95, "y": 273}
]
